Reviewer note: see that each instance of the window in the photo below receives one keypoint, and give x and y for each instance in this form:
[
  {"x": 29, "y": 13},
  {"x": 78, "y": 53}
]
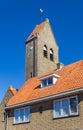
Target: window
[
  {"x": 50, "y": 81},
  {"x": 73, "y": 105},
  {"x": 51, "y": 55},
  {"x": 45, "y": 51},
  {"x": 16, "y": 116},
  {"x": 66, "y": 107},
  {"x": 47, "y": 82},
  {"x": 22, "y": 115},
  {"x": 44, "y": 83}
]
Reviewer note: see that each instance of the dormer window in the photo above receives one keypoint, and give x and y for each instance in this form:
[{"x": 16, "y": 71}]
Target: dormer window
[
  {"x": 51, "y": 55},
  {"x": 48, "y": 80},
  {"x": 45, "y": 51}
]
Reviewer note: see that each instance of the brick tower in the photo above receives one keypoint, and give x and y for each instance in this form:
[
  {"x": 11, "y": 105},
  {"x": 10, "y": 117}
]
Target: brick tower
[{"x": 41, "y": 50}]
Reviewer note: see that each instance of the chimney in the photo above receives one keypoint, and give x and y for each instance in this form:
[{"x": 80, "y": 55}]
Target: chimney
[{"x": 60, "y": 65}]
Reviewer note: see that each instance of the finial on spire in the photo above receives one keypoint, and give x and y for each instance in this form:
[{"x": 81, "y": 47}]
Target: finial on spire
[
  {"x": 47, "y": 20},
  {"x": 10, "y": 87}
]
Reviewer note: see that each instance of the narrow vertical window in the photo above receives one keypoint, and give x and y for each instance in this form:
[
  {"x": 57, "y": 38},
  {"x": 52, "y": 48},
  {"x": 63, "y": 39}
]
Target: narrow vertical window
[
  {"x": 50, "y": 81},
  {"x": 73, "y": 105},
  {"x": 44, "y": 83},
  {"x": 21, "y": 115},
  {"x": 65, "y": 107},
  {"x": 16, "y": 115},
  {"x": 31, "y": 74},
  {"x": 45, "y": 51},
  {"x": 58, "y": 109},
  {"x": 51, "y": 55},
  {"x": 27, "y": 114}
]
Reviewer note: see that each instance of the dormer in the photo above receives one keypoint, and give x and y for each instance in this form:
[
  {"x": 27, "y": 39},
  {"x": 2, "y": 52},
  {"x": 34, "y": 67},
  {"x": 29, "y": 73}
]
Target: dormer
[{"x": 48, "y": 80}]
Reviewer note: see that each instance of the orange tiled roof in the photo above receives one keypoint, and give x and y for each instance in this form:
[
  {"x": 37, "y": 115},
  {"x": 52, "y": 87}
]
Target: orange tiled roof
[
  {"x": 71, "y": 77},
  {"x": 37, "y": 29}
]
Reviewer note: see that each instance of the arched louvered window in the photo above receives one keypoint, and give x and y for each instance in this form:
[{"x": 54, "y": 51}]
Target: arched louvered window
[
  {"x": 51, "y": 55},
  {"x": 45, "y": 51}
]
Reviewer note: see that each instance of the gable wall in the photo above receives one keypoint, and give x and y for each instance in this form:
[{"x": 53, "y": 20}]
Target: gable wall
[{"x": 6, "y": 98}]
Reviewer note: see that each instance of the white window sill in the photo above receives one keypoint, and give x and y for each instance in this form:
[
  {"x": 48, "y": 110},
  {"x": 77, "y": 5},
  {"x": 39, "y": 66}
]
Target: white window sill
[
  {"x": 22, "y": 122},
  {"x": 66, "y": 116}
]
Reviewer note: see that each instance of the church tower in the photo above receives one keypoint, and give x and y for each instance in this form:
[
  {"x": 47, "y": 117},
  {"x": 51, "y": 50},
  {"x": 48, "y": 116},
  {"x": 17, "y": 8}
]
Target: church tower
[{"x": 41, "y": 50}]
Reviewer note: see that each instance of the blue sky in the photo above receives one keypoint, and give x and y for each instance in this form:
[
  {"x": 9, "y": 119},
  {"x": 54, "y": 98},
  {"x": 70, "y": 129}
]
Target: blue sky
[{"x": 17, "y": 20}]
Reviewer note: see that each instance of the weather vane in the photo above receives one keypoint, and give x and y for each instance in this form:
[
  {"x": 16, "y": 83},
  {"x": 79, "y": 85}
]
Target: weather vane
[{"x": 41, "y": 13}]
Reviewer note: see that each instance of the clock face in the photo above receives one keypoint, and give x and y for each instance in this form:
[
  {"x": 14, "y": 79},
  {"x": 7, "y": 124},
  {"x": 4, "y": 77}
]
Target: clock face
[{"x": 31, "y": 48}]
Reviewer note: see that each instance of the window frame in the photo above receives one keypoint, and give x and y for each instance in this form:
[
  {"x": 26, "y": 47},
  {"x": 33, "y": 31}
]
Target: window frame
[
  {"x": 61, "y": 109},
  {"x": 19, "y": 116},
  {"x": 47, "y": 77},
  {"x": 47, "y": 82}
]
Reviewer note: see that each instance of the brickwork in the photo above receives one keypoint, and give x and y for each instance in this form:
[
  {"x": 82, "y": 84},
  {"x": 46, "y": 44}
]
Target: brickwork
[
  {"x": 46, "y": 37},
  {"x": 45, "y": 121},
  {"x": 6, "y": 98},
  {"x": 35, "y": 61}
]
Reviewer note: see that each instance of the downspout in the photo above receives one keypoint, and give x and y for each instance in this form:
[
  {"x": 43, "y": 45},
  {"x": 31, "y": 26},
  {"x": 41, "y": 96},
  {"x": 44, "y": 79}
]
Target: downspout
[
  {"x": 6, "y": 116},
  {"x": 34, "y": 57}
]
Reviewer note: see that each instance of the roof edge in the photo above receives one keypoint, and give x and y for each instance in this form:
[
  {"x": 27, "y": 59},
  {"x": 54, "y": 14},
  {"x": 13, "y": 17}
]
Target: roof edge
[
  {"x": 44, "y": 98},
  {"x": 31, "y": 38},
  {"x": 48, "y": 76}
]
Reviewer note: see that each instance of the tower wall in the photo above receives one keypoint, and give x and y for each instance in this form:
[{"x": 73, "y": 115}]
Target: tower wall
[
  {"x": 46, "y": 37},
  {"x": 36, "y": 63},
  {"x": 31, "y": 58}
]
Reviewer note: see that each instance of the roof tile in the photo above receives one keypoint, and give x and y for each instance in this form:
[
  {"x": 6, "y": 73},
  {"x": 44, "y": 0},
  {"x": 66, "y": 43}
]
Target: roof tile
[{"x": 71, "y": 77}]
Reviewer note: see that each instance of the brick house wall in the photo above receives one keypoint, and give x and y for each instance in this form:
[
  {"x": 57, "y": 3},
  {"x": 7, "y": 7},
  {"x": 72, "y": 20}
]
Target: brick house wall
[
  {"x": 45, "y": 121},
  {"x": 6, "y": 98}
]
